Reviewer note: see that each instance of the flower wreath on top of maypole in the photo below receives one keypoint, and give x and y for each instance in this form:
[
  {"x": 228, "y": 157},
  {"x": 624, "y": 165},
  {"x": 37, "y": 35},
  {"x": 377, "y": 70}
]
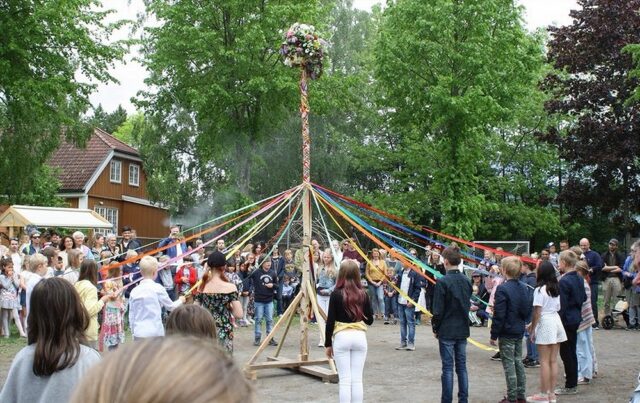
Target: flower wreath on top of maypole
[{"x": 303, "y": 48}]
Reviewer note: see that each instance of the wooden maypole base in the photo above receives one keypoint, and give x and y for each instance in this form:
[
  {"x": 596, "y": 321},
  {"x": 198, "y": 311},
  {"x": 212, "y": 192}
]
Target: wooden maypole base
[{"x": 303, "y": 364}]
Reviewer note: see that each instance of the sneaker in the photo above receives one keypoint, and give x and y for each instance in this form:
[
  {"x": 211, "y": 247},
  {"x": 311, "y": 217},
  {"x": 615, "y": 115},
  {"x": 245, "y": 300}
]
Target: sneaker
[
  {"x": 496, "y": 357},
  {"x": 538, "y": 398},
  {"x": 402, "y": 346},
  {"x": 532, "y": 364},
  {"x": 584, "y": 381},
  {"x": 395, "y": 321},
  {"x": 256, "y": 342},
  {"x": 273, "y": 342},
  {"x": 552, "y": 398},
  {"x": 386, "y": 321},
  {"x": 526, "y": 361},
  {"x": 411, "y": 347},
  {"x": 566, "y": 391},
  {"x": 595, "y": 326}
]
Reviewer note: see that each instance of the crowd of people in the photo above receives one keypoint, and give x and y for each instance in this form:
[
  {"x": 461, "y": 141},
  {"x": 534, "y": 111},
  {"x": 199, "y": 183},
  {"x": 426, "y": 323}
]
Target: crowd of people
[{"x": 104, "y": 287}]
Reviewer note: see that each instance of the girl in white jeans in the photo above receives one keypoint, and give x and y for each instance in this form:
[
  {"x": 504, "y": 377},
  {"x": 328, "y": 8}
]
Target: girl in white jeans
[{"x": 345, "y": 337}]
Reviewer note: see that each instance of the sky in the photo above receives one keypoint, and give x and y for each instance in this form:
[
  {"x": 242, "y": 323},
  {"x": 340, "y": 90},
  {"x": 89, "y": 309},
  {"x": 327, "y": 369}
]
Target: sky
[{"x": 131, "y": 75}]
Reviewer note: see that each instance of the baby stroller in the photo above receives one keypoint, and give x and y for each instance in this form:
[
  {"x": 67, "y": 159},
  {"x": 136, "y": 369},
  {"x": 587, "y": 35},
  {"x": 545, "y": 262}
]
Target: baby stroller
[{"x": 621, "y": 309}]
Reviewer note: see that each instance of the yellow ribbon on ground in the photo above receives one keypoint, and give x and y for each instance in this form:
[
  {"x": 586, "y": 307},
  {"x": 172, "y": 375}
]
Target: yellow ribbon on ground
[{"x": 400, "y": 292}]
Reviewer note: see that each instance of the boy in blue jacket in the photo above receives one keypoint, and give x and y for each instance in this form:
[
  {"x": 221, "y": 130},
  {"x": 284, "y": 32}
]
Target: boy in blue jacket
[{"x": 511, "y": 310}]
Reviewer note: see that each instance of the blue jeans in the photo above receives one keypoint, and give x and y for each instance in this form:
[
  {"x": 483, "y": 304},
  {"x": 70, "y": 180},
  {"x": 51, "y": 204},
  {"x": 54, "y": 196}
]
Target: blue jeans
[
  {"x": 391, "y": 306},
  {"x": 377, "y": 298},
  {"x": 407, "y": 324},
  {"x": 454, "y": 351},
  {"x": 279, "y": 298},
  {"x": 532, "y": 350},
  {"x": 263, "y": 309}
]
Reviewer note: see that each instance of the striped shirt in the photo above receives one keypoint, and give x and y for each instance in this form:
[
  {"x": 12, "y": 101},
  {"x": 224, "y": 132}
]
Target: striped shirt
[{"x": 587, "y": 312}]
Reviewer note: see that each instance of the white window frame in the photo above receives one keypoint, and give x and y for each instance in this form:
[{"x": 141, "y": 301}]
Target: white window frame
[
  {"x": 111, "y": 215},
  {"x": 115, "y": 168},
  {"x": 136, "y": 182}
]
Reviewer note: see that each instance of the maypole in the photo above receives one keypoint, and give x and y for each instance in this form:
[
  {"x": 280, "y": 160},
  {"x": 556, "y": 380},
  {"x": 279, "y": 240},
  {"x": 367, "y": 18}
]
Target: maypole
[{"x": 302, "y": 48}]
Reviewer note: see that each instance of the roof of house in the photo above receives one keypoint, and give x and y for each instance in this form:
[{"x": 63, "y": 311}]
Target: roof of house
[{"x": 77, "y": 165}]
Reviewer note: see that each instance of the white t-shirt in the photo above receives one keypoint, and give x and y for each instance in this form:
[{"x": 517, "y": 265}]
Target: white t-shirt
[{"x": 548, "y": 303}]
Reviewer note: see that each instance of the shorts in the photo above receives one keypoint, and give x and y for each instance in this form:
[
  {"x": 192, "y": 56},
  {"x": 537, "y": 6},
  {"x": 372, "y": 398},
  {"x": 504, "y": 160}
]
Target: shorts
[{"x": 550, "y": 330}]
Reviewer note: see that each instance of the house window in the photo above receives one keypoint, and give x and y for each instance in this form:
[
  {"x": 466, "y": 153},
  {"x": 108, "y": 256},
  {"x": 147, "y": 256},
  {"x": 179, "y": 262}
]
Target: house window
[
  {"x": 116, "y": 171},
  {"x": 111, "y": 215},
  {"x": 134, "y": 175}
]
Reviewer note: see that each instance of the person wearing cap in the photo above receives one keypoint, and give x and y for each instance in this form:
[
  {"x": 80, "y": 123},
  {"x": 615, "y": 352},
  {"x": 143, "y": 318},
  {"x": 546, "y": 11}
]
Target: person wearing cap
[
  {"x": 33, "y": 246},
  {"x": 220, "y": 297},
  {"x": 611, "y": 275},
  {"x": 128, "y": 242}
]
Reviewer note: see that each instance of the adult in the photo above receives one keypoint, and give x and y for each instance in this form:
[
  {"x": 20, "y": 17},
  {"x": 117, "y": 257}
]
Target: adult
[
  {"x": 65, "y": 246},
  {"x": 375, "y": 273},
  {"x": 410, "y": 283},
  {"x": 220, "y": 246},
  {"x": 326, "y": 281},
  {"x": 632, "y": 292},
  {"x": 350, "y": 251},
  {"x": 177, "y": 248},
  {"x": 594, "y": 260},
  {"x": 54, "y": 239},
  {"x": 345, "y": 334},
  {"x": 450, "y": 325},
  {"x": 613, "y": 261},
  {"x": 220, "y": 297},
  {"x": 45, "y": 371},
  {"x": 98, "y": 246},
  {"x": 33, "y": 246},
  {"x": 128, "y": 241},
  {"x": 277, "y": 263},
  {"x": 335, "y": 249},
  {"x": 78, "y": 243},
  {"x": 264, "y": 282},
  {"x": 112, "y": 251},
  {"x": 564, "y": 245}
]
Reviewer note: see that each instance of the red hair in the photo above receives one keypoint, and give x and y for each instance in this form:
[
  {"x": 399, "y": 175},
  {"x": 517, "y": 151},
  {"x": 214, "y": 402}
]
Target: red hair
[
  {"x": 207, "y": 276},
  {"x": 353, "y": 294}
]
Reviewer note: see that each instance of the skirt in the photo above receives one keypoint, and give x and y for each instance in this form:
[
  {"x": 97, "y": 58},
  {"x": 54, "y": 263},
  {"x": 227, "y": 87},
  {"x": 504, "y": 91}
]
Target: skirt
[{"x": 550, "y": 330}]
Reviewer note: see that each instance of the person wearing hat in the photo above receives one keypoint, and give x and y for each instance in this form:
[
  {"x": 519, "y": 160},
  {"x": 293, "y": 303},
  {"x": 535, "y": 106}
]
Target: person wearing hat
[
  {"x": 611, "y": 275},
  {"x": 33, "y": 246},
  {"x": 220, "y": 297}
]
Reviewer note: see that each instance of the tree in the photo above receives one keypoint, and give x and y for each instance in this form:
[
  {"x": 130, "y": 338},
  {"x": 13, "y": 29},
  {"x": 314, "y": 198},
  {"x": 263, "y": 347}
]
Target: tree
[
  {"x": 600, "y": 140},
  {"x": 453, "y": 72},
  {"x": 129, "y": 131},
  {"x": 44, "y": 47},
  {"x": 109, "y": 122}
]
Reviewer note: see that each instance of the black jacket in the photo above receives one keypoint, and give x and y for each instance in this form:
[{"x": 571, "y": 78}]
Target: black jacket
[
  {"x": 451, "y": 303},
  {"x": 511, "y": 309},
  {"x": 259, "y": 279}
]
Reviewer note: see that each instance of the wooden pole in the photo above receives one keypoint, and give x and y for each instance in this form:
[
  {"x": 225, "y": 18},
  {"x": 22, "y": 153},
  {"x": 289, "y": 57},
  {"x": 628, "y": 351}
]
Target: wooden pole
[{"x": 306, "y": 216}]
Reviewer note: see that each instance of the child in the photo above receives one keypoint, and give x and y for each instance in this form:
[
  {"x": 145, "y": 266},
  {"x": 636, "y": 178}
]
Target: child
[
  {"x": 390, "y": 297},
  {"x": 572, "y": 296},
  {"x": 495, "y": 279},
  {"x": 72, "y": 273},
  {"x": 584, "y": 344},
  {"x": 512, "y": 309},
  {"x": 450, "y": 324},
  {"x": 546, "y": 330},
  {"x": 131, "y": 273},
  {"x": 37, "y": 271},
  {"x": 172, "y": 369},
  {"x": 112, "y": 329},
  {"x": 528, "y": 277},
  {"x": 58, "y": 269},
  {"x": 146, "y": 302},
  {"x": 45, "y": 371},
  {"x": 287, "y": 292},
  {"x": 86, "y": 286},
  {"x": 52, "y": 259},
  {"x": 186, "y": 276},
  {"x": 9, "y": 298},
  {"x": 192, "y": 320},
  {"x": 264, "y": 281}
]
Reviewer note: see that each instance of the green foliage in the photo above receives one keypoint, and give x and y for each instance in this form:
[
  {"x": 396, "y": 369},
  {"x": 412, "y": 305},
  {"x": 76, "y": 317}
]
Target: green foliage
[
  {"x": 109, "y": 122},
  {"x": 453, "y": 73},
  {"x": 43, "y": 48},
  {"x": 130, "y": 129}
]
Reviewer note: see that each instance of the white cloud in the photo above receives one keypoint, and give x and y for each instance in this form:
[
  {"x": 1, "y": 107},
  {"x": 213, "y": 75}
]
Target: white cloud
[{"x": 538, "y": 13}]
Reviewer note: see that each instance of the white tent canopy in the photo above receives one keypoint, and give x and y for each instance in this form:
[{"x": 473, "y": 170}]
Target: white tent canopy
[{"x": 22, "y": 216}]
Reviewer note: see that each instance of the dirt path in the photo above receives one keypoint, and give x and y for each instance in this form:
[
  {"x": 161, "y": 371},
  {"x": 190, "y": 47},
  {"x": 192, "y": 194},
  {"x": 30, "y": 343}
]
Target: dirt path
[{"x": 397, "y": 376}]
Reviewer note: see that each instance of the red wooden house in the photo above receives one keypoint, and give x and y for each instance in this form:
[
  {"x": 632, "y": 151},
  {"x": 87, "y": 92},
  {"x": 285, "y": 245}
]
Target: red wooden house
[{"x": 107, "y": 176}]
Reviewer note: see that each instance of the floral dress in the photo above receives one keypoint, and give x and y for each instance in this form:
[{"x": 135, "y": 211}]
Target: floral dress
[
  {"x": 112, "y": 329},
  {"x": 9, "y": 298},
  {"x": 219, "y": 306}
]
